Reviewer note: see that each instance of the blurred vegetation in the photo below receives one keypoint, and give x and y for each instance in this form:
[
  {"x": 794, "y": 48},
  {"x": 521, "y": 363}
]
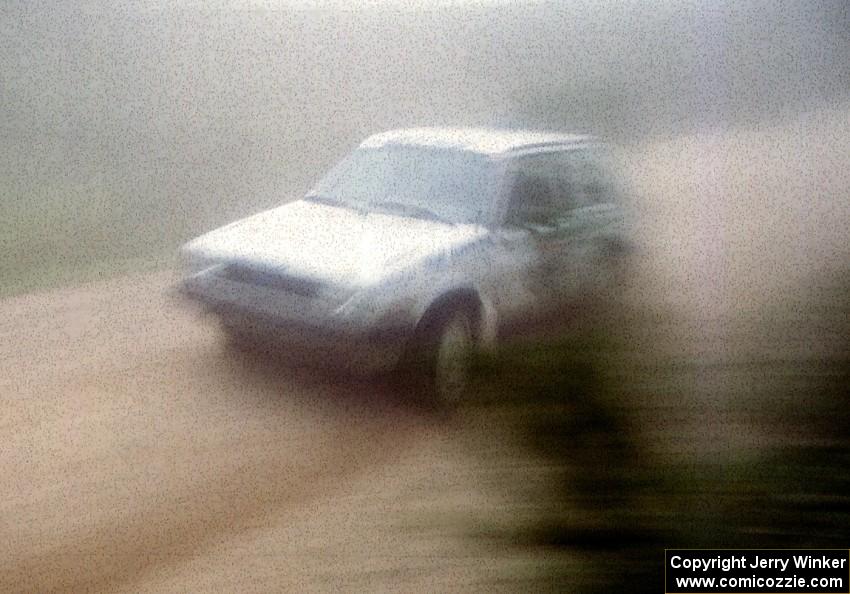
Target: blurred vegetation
[{"x": 618, "y": 429}]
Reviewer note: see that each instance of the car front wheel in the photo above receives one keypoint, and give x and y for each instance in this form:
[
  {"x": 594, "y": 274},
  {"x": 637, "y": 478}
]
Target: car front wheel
[
  {"x": 451, "y": 359},
  {"x": 441, "y": 356}
]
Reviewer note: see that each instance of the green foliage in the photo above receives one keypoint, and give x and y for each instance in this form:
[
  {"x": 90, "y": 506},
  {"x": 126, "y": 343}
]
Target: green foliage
[{"x": 586, "y": 407}]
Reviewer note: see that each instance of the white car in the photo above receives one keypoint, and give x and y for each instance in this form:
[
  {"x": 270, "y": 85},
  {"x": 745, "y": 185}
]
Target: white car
[{"x": 420, "y": 245}]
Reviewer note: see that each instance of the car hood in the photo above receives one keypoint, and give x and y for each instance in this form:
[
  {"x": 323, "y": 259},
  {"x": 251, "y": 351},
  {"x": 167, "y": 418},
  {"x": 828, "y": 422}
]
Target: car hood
[{"x": 333, "y": 244}]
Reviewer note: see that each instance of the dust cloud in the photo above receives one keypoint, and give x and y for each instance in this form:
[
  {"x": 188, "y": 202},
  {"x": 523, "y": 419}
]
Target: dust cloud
[{"x": 141, "y": 455}]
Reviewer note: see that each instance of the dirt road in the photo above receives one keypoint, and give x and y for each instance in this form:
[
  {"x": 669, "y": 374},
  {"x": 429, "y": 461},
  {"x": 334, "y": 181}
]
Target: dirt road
[{"x": 140, "y": 455}]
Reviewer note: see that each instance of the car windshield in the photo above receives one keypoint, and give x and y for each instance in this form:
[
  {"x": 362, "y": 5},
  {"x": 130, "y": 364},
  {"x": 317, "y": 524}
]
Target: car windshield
[{"x": 432, "y": 183}]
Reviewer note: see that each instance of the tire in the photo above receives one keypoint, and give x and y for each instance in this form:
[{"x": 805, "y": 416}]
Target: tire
[{"x": 441, "y": 357}]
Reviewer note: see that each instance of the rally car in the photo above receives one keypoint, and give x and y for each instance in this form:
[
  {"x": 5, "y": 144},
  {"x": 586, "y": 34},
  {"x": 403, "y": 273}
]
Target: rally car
[{"x": 419, "y": 246}]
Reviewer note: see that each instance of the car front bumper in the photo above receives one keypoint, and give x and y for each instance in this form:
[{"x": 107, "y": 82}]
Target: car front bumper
[{"x": 302, "y": 332}]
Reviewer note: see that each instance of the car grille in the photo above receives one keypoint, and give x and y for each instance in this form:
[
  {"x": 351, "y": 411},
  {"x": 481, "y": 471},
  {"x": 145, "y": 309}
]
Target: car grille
[{"x": 251, "y": 275}]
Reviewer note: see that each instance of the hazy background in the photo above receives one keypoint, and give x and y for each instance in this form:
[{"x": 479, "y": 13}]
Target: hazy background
[
  {"x": 130, "y": 126},
  {"x": 704, "y": 404}
]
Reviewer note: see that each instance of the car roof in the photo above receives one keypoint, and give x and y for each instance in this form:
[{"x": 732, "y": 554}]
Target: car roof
[{"x": 486, "y": 141}]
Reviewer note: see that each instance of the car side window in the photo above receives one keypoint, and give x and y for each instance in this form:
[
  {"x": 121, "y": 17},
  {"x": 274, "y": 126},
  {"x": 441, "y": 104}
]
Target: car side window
[
  {"x": 542, "y": 190},
  {"x": 590, "y": 181},
  {"x": 547, "y": 187}
]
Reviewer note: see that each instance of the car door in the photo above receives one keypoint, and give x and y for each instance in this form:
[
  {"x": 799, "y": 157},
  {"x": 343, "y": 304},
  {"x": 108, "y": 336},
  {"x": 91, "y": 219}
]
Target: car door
[
  {"x": 559, "y": 204},
  {"x": 538, "y": 205},
  {"x": 592, "y": 219},
  {"x": 527, "y": 239}
]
